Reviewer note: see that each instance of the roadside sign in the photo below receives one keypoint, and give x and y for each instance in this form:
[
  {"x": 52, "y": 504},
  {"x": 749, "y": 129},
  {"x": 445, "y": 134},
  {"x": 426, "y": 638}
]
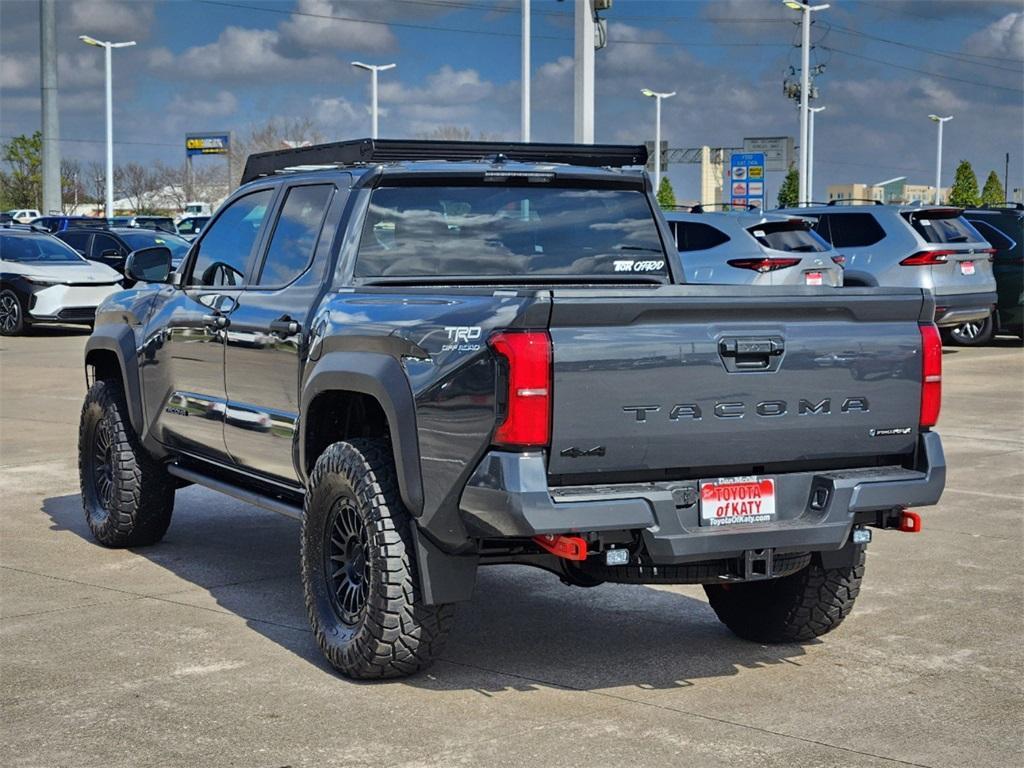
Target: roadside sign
[
  {"x": 207, "y": 143},
  {"x": 778, "y": 151},
  {"x": 746, "y": 179}
]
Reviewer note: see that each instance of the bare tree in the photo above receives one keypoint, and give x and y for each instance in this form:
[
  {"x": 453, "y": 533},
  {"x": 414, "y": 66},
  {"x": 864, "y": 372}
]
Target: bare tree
[
  {"x": 172, "y": 183},
  {"x": 276, "y": 133},
  {"x": 72, "y": 184},
  {"x": 95, "y": 180},
  {"x": 138, "y": 182}
]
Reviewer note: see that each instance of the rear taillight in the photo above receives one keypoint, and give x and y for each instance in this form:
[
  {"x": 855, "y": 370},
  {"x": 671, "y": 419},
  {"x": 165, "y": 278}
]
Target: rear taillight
[
  {"x": 931, "y": 374},
  {"x": 991, "y": 253},
  {"x": 527, "y": 411},
  {"x": 840, "y": 260},
  {"x": 763, "y": 265},
  {"x": 927, "y": 258}
]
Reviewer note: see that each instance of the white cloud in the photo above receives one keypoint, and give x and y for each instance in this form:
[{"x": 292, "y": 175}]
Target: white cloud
[
  {"x": 315, "y": 32},
  {"x": 18, "y": 71},
  {"x": 337, "y": 114},
  {"x": 108, "y": 18},
  {"x": 1004, "y": 38},
  {"x": 238, "y": 53},
  {"x": 222, "y": 104}
]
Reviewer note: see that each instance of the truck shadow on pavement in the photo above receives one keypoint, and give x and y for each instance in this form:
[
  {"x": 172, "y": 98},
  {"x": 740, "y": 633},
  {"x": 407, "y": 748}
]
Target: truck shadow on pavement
[{"x": 523, "y": 630}]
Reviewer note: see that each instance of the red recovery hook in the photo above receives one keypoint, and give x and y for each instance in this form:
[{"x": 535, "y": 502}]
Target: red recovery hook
[
  {"x": 910, "y": 521},
  {"x": 566, "y": 547}
]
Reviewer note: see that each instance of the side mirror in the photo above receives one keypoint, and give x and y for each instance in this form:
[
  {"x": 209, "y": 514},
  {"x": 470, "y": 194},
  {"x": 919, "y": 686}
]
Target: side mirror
[
  {"x": 110, "y": 253},
  {"x": 149, "y": 265}
]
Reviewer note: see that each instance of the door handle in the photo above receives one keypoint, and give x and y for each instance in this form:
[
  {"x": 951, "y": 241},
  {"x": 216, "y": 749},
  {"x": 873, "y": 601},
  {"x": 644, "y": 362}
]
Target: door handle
[
  {"x": 216, "y": 321},
  {"x": 746, "y": 354},
  {"x": 285, "y": 326}
]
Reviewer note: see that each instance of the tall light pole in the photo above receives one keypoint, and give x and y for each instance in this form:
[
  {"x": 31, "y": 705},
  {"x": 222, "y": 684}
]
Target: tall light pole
[
  {"x": 373, "y": 69},
  {"x": 657, "y": 132},
  {"x": 938, "y": 154},
  {"x": 583, "y": 72},
  {"x": 107, "y": 48},
  {"x": 526, "y": 72},
  {"x": 810, "y": 151},
  {"x": 51, "y": 120},
  {"x": 805, "y": 83}
]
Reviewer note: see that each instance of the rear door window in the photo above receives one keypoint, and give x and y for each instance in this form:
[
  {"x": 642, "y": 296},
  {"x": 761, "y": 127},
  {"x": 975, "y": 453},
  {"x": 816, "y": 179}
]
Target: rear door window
[
  {"x": 77, "y": 240},
  {"x": 850, "y": 230},
  {"x": 476, "y": 231},
  {"x": 105, "y": 248},
  {"x": 697, "y": 236},
  {"x": 995, "y": 237},
  {"x": 296, "y": 233}
]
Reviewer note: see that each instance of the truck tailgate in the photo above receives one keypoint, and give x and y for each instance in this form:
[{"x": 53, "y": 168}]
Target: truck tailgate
[{"x": 681, "y": 379}]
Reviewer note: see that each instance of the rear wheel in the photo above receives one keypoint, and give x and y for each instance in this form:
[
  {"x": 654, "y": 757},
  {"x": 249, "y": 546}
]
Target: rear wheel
[
  {"x": 359, "y": 570},
  {"x": 973, "y": 333},
  {"x": 12, "y": 314},
  {"x": 795, "y": 608},
  {"x": 127, "y": 496}
]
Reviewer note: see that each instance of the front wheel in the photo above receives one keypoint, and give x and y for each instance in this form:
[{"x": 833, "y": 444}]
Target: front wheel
[
  {"x": 795, "y": 608},
  {"x": 12, "y": 314},
  {"x": 128, "y": 497},
  {"x": 359, "y": 569},
  {"x": 973, "y": 333}
]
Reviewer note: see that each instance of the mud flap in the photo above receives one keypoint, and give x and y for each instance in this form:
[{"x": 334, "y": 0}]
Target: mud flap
[{"x": 443, "y": 578}]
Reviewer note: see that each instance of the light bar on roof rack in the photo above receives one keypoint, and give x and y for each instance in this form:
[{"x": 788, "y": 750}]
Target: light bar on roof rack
[{"x": 367, "y": 151}]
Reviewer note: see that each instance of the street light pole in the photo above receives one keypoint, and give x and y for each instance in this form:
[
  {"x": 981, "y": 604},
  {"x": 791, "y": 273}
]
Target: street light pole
[
  {"x": 373, "y": 69},
  {"x": 810, "y": 151},
  {"x": 657, "y": 132},
  {"x": 107, "y": 47},
  {"x": 938, "y": 154},
  {"x": 805, "y": 84},
  {"x": 526, "y": 72}
]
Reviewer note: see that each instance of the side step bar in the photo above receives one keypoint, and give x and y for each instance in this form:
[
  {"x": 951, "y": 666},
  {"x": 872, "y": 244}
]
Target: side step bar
[{"x": 258, "y": 499}]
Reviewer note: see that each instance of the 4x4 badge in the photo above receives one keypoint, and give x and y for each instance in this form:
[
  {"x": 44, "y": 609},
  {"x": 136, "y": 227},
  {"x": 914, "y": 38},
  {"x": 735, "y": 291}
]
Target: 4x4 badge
[{"x": 576, "y": 453}]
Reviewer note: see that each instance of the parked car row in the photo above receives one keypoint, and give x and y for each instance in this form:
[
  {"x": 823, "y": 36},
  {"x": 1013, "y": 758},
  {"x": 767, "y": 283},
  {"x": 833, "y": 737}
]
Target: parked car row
[{"x": 187, "y": 227}]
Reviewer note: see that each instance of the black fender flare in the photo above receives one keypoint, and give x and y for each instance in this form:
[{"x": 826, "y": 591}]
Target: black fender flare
[
  {"x": 120, "y": 340},
  {"x": 382, "y": 377}
]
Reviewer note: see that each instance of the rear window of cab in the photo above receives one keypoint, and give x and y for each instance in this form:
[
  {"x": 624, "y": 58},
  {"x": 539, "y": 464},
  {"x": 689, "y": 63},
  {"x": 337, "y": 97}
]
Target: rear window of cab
[{"x": 462, "y": 231}]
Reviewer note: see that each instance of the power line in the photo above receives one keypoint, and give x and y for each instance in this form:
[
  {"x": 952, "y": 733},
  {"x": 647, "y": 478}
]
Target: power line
[
  {"x": 102, "y": 141},
  {"x": 962, "y": 58},
  {"x": 489, "y": 32},
  {"x": 920, "y": 71}
]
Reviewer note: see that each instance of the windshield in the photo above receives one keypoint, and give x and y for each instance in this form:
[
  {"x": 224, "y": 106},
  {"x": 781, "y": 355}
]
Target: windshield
[
  {"x": 178, "y": 246},
  {"x": 39, "y": 249},
  {"x": 509, "y": 231},
  {"x": 943, "y": 229},
  {"x": 789, "y": 236}
]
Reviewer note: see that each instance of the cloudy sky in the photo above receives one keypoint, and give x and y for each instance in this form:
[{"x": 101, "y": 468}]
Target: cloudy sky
[{"x": 227, "y": 65}]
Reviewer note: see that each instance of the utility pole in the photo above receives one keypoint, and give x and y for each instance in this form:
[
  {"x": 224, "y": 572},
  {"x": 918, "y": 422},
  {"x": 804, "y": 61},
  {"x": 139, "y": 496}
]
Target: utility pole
[
  {"x": 1006, "y": 177},
  {"x": 938, "y": 155},
  {"x": 526, "y": 72},
  {"x": 657, "y": 132},
  {"x": 810, "y": 152},
  {"x": 373, "y": 69},
  {"x": 805, "y": 84},
  {"x": 51, "y": 202},
  {"x": 583, "y": 72},
  {"x": 107, "y": 48}
]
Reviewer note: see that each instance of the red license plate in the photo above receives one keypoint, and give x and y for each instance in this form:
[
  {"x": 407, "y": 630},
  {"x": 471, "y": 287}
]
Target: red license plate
[
  {"x": 967, "y": 267},
  {"x": 737, "y": 500}
]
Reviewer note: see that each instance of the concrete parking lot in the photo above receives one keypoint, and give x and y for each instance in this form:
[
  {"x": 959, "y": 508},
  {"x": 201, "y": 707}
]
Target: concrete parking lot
[{"x": 196, "y": 652}]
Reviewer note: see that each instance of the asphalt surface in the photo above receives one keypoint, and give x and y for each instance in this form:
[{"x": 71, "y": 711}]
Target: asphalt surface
[{"x": 196, "y": 652}]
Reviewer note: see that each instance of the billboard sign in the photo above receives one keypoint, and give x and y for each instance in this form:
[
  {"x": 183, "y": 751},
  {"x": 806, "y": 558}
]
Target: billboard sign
[
  {"x": 207, "y": 144},
  {"x": 778, "y": 151},
  {"x": 746, "y": 179}
]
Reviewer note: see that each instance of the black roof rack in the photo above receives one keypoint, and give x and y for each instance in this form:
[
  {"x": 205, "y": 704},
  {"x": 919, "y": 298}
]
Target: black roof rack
[
  {"x": 366, "y": 151},
  {"x": 701, "y": 207},
  {"x": 1006, "y": 205},
  {"x": 844, "y": 200}
]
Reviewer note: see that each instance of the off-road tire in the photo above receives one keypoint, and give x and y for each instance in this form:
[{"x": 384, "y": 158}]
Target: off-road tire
[
  {"x": 791, "y": 609},
  {"x": 13, "y": 323},
  {"x": 128, "y": 497},
  {"x": 368, "y": 614}
]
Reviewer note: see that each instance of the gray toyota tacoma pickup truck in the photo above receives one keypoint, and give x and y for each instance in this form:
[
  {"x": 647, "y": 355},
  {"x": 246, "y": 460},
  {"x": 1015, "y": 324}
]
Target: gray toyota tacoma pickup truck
[{"x": 443, "y": 355}]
